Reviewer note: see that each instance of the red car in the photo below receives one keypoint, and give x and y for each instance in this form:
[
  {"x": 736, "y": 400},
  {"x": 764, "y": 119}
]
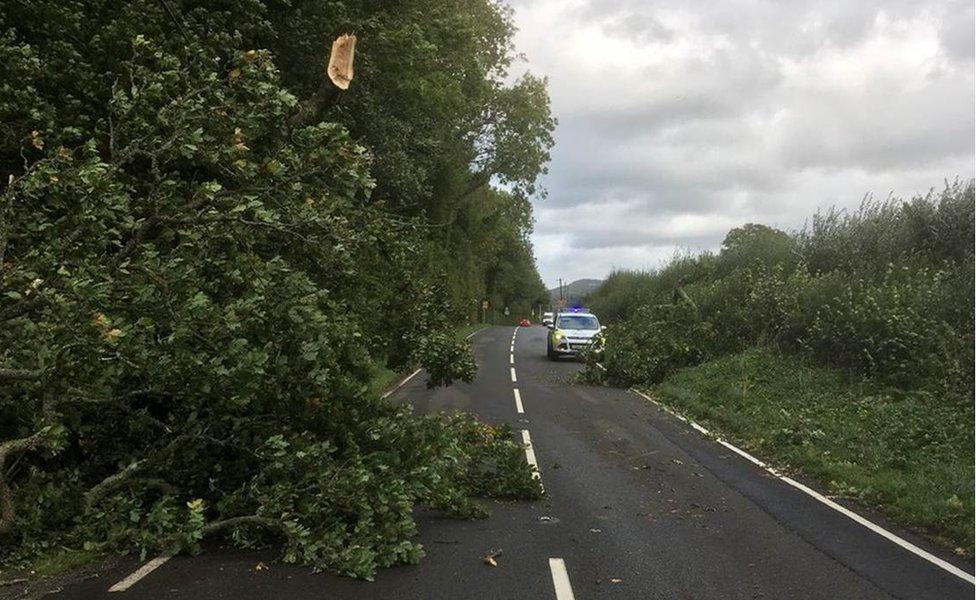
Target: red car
[{"x": 525, "y": 323}]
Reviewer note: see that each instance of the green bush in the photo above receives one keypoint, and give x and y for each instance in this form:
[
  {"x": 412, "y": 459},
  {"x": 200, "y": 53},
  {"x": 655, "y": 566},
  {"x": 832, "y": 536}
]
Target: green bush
[
  {"x": 656, "y": 341},
  {"x": 891, "y": 330},
  {"x": 933, "y": 228}
]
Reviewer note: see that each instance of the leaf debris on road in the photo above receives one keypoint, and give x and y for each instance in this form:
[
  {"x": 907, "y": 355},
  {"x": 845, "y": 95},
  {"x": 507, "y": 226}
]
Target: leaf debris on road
[{"x": 490, "y": 558}]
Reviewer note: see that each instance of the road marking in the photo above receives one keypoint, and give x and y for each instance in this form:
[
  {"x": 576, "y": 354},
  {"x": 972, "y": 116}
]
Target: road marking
[
  {"x": 518, "y": 401},
  {"x": 530, "y": 454},
  {"x": 513, "y": 374},
  {"x": 511, "y": 359},
  {"x": 923, "y": 554},
  {"x": 743, "y": 454},
  {"x": 141, "y": 572},
  {"x": 560, "y": 579},
  {"x": 935, "y": 560},
  {"x": 388, "y": 393},
  {"x": 471, "y": 335}
]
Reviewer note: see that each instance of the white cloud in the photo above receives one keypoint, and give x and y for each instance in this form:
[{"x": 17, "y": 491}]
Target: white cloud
[{"x": 677, "y": 124}]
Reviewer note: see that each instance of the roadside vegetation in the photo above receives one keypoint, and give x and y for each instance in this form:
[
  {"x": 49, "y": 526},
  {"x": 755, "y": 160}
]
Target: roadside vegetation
[
  {"x": 206, "y": 249},
  {"x": 844, "y": 350}
]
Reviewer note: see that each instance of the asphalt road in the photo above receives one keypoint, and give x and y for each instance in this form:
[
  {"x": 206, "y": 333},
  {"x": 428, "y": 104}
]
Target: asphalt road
[{"x": 638, "y": 505}]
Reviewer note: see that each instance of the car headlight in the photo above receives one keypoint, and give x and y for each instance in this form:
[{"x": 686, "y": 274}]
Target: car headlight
[{"x": 558, "y": 335}]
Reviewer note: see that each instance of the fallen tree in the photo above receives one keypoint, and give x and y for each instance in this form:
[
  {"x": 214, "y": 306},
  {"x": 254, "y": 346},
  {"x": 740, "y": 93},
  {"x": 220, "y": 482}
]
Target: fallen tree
[{"x": 194, "y": 282}]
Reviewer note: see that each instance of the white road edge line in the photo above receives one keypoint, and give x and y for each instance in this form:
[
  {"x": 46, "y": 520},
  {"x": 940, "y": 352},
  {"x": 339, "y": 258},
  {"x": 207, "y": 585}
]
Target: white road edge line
[
  {"x": 560, "y": 579},
  {"x": 514, "y": 380},
  {"x": 923, "y": 554},
  {"x": 743, "y": 454},
  {"x": 389, "y": 393},
  {"x": 530, "y": 453},
  {"x": 935, "y": 560},
  {"x": 141, "y": 572},
  {"x": 518, "y": 402},
  {"x": 471, "y": 335}
]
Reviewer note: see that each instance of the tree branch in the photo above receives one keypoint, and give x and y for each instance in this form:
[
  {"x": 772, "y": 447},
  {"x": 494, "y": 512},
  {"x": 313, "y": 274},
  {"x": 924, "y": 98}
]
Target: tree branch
[
  {"x": 22, "y": 307},
  {"x": 125, "y": 476},
  {"x": 216, "y": 526},
  {"x": 10, "y": 448},
  {"x": 3, "y": 219},
  {"x": 19, "y": 374},
  {"x": 111, "y": 482}
]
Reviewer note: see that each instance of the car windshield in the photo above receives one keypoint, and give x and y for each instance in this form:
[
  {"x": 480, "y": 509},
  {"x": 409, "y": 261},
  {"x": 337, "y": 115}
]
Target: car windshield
[{"x": 578, "y": 322}]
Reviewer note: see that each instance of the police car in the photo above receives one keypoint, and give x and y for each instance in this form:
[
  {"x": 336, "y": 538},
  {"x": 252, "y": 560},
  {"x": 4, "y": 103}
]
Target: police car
[{"x": 571, "y": 332}]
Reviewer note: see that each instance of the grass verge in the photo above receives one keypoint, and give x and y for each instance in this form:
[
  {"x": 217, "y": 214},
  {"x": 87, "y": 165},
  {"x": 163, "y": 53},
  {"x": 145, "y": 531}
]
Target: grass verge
[
  {"x": 465, "y": 330},
  {"x": 908, "y": 454},
  {"x": 62, "y": 561},
  {"x": 381, "y": 378}
]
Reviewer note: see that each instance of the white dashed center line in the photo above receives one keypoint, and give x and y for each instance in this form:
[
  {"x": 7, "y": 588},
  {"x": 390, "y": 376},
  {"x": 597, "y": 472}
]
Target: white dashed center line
[
  {"x": 560, "y": 579},
  {"x": 518, "y": 402},
  {"x": 511, "y": 359},
  {"x": 513, "y": 374}
]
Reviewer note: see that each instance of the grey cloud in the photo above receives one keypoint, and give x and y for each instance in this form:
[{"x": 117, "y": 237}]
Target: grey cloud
[
  {"x": 956, "y": 32},
  {"x": 739, "y": 111},
  {"x": 723, "y": 86},
  {"x": 642, "y": 28},
  {"x": 901, "y": 131}
]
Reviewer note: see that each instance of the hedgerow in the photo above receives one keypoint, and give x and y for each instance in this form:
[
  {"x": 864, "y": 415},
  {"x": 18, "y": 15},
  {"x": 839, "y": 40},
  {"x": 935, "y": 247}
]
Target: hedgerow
[{"x": 884, "y": 293}]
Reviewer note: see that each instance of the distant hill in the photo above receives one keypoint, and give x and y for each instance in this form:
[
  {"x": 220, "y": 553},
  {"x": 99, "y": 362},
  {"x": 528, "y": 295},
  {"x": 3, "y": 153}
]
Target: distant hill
[{"x": 575, "y": 292}]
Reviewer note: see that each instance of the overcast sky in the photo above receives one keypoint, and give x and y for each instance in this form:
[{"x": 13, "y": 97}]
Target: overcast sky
[{"x": 679, "y": 120}]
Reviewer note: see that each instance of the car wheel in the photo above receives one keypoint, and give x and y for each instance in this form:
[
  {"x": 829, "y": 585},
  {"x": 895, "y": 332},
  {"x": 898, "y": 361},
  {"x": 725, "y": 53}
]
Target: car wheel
[{"x": 552, "y": 355}]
